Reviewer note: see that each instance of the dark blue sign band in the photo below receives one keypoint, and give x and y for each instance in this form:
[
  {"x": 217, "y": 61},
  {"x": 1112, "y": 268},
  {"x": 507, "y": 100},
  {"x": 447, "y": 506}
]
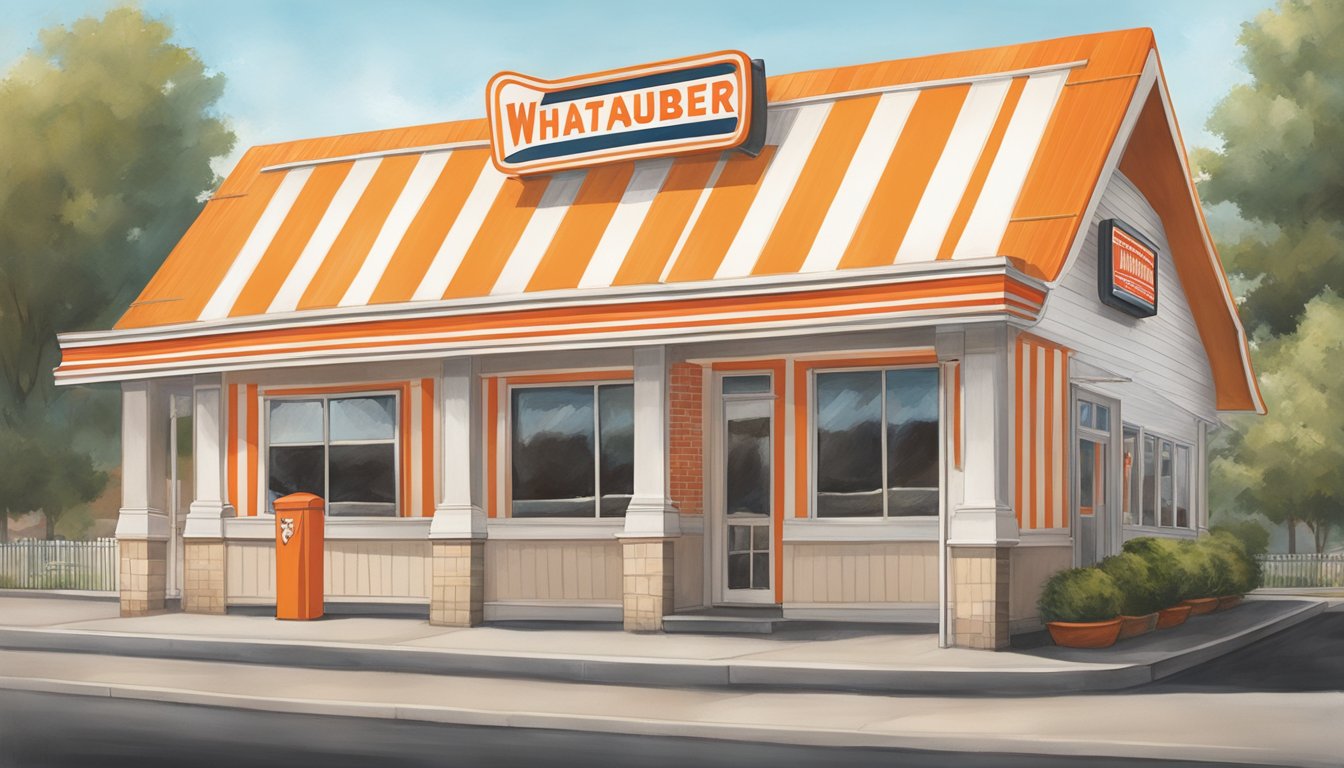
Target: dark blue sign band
[
  {"x": 637, "y": 83},
  {"x": 724, "y": 125}
]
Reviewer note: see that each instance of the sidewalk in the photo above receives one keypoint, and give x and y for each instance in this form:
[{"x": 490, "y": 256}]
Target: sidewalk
[{"x": 842, "y": 659}]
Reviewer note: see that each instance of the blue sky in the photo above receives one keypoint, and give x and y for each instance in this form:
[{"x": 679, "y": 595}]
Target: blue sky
[{"x": 299, "y": 68}]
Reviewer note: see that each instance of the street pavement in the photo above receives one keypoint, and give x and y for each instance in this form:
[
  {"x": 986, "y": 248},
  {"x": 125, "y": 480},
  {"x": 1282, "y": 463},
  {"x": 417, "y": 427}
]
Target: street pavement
[{"x": 39, "y": 730}]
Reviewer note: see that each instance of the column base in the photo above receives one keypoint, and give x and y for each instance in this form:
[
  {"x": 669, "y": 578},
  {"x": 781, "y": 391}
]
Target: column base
[
  {"x": 144, "y": 576},
  {"x": 979, "y": 593},
  {"x": 203, "y": 591},
  {"x": 458, "y": 591},
  {"x": 648, "y": 580}
]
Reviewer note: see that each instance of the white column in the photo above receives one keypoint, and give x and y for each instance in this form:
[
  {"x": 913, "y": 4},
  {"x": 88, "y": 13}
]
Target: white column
[
  {"x": 460, "y": 512},
  {"x": 209, "y": 506},
  {"x": 144, "y": 462},
  {"x": 651, "y": 513},
  {"x": 984, "y": 515}
]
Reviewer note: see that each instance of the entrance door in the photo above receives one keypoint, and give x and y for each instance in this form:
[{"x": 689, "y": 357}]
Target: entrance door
[
  {"x": 744, "y": 553},
  {"x": 1093, "y": 512}
]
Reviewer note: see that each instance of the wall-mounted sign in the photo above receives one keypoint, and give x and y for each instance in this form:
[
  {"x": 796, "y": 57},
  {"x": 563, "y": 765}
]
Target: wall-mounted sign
[
  {"x": 1126, "y": 269},
  {"x": 696, "y": 104}
]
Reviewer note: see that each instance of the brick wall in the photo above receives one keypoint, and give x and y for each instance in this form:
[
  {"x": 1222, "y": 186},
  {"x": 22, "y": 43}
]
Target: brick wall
[{"x": 687, "y": 441}]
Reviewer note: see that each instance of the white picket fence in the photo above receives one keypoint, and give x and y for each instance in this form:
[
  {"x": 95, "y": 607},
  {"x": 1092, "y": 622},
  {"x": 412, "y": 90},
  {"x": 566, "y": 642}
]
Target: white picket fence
[
  {"x": 36, "y": 564},
  {"x": 1302, "y": 570}
]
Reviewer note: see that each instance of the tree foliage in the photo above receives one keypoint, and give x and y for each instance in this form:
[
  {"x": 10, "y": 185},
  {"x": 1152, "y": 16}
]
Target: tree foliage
[
  {"x": 108, "y": 133},
  {"x": 1287, "y": 463},
  {"x": 1282, "y": 159}
]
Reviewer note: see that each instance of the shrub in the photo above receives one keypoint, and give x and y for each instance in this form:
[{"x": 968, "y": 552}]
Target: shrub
[
  {"x": 1199, "y": 570},
  {"x": 1138, "y": 585},
  {"x": 1237, "y": 570},
  {"x": 1253, "y": 537},
  {"x": 1165, "y": 572},
  {"x": 1080, "y": 594}
]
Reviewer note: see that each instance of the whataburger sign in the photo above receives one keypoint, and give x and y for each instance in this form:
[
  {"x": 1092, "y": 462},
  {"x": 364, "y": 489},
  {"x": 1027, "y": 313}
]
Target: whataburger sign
[
  {"x": 696, "y": 104},
  {"x": 1126, "y": 269}
]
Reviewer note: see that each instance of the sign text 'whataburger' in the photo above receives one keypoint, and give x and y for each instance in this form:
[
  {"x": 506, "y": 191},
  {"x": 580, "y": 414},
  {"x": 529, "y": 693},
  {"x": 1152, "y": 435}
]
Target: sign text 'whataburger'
[{"x": 696, "y": 104}]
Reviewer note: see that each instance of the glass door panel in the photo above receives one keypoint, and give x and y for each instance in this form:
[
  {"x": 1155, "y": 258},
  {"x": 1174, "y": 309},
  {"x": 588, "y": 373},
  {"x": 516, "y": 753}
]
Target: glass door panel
[{"x": 746, "y": 473}]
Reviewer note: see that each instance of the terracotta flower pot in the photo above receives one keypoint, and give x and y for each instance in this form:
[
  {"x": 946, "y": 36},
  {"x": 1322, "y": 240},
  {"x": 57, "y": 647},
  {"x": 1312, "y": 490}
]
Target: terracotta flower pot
[
  {"x": 1228, "y": 601},
  {"x": 1173, "y": 616},
  {"x": 1133, "y": 626},
  {"x": 1086, "y": 634},
  {"x": 1202, "y": 605}
]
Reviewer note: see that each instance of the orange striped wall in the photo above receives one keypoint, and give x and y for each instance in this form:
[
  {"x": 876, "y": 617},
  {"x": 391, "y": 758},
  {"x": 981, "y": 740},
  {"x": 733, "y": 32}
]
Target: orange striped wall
[{"x": 1040, "y": 434}]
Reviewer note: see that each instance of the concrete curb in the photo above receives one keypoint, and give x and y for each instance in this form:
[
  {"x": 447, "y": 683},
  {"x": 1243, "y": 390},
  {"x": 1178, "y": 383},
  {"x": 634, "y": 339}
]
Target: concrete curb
[
  {"x": 646, "y": 671},
  {"x": 614, "y": 724},
  {"x": 63, "y": 594}
]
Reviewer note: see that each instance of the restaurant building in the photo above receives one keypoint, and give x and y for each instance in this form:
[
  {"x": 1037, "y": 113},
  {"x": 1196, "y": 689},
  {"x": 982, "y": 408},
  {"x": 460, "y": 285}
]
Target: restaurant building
[{"x": 947, "y": 326}]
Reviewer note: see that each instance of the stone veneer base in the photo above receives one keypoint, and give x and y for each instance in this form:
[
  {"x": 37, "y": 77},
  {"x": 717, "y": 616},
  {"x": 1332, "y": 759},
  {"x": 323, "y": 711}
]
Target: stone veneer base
[{"x": 457, "y": 597}]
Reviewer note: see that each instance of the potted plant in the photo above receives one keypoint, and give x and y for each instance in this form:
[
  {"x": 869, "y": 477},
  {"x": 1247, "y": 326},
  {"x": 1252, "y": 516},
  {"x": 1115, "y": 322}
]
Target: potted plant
[
  {"x": 1080, "y": 608},
  {"x": 1140, "y": 601},
  {"x": 1161, "y": 557},
  {"x": 1199, "y": 569}
]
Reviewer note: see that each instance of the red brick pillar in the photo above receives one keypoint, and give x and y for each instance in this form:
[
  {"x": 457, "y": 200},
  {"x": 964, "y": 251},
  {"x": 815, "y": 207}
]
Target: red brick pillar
[{"x": 686, "y": 436}]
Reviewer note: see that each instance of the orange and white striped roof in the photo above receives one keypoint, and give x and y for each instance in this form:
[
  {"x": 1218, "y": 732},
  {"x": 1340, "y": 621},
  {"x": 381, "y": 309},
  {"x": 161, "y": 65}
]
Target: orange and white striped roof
[
  {"x": 941, "y": 158},
  {"x": 930, "y": 166}
]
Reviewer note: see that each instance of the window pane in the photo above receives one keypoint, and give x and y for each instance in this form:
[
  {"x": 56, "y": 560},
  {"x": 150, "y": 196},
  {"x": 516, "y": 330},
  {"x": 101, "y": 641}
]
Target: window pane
[
  {"x": 849, "y": 444},
  {"x": 1182, "y": 486},
  {"x": 553, "y": 452},
  {"x": 912, "y": 441},
  {"x": 1101, "y": 417},
  {"x": 293, "y": 469},
  {"x": 364, "y": 418},
  {"x": 747, "y": 469},
  {"x": 1084, "y": 413},
  {"x": 744, "y": 385},
  {"x": 1087, "y": 478},
  {"x": 739, "y": 571},
  {"x": 363, "y": 479},
  {"x": 1168, "y": 490},
  {"x": 616, "y": 431},
  {"x": 1130, "y": 486},
  {"x": 1149, "y": 481},
  {"x": 295, "y": 421}
]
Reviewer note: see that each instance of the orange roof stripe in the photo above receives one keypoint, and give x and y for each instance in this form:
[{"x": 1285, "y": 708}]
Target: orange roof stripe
[
  {"x": 666, "y": 220},
  {"x": 279, "y": 259},
  {"x": 579, "y": 233},
  {"x": 802, "y": 216},
  {"x": 347, "y": 252},
  {"x": 982, "y": 166},
  {"x": 424, "y": 235},
  {"x": 893, "y": 204},
  {"x": 733, "y": 192},
  {"x": 499, "y": 233}
]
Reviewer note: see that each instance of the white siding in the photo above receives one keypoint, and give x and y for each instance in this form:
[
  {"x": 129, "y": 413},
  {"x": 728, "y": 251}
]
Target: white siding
[{"x": 1163, "y": 355}]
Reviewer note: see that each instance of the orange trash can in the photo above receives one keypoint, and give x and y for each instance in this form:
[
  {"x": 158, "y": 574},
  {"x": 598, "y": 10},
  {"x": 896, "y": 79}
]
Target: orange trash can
[{"x": 299, "y": 535}]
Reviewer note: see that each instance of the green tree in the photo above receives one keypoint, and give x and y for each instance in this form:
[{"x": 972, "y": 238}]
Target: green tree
[
  {"x": 108, "y": 131},
  {"x": 1282, "y": 160},
  {"x": 1286, "y": 464}
]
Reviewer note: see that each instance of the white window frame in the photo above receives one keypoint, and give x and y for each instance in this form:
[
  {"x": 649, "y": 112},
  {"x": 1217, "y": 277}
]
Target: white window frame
[
  {"x": 507, "y": 416},
  {"x": 813, "y": 423},
  {"x": 1139, "y": 471},
  {"x": 325, "y": 399}
]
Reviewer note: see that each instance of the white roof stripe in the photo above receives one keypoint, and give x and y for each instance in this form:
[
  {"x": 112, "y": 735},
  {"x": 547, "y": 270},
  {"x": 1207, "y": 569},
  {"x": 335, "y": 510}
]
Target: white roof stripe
[
  {"x": 226, "y": 293},
  {"x": 315, "y": 252},
  {"x": 426, "y": 172},
  {"x": 611, "y": 250},
  {"x": 950, "y": 177},
  {"x": 695, "y": 215},
  {"x": 540, "y": 230},
  {"x": 794, "y": 150},
  {"x": 856, "y": 188},
  {"x": 989, "y": 220},
  {"x": 465, "y": 228}
]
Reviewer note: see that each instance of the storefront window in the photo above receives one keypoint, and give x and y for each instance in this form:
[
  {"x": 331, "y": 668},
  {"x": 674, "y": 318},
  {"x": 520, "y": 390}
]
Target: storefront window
[
  {"x": 572, "y": 450},
  {"x": 877, "y": 443},
  {"x": 1130, "y": 487},
  {"x": 1161, "y": 476},
  {"x": 343, "y": 449}
]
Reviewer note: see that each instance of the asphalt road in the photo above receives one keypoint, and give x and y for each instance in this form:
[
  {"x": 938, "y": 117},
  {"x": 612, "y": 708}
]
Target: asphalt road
[
  {"x": 1308, "y": 657},
  {"x": 49, "y": 730}
]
